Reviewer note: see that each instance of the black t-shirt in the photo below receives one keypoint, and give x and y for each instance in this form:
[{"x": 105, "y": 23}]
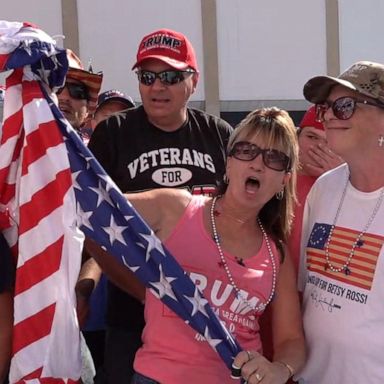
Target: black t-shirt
[
  {"x": 139, "y": 156},
  {"x": 7, "y": 269}
]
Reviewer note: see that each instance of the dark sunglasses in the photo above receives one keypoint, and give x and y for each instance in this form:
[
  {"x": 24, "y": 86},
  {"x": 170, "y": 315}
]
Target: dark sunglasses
[
  {"x": 343, "y": 108},
  {"x": 272, "y": 158},
  {"x": 77, "y": 91},
  {"x": 166, "y": 77}
]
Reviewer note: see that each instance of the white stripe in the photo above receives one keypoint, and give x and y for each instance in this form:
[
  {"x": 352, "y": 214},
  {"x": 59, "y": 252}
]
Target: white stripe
[
  {"x": 13, "y": 101},
  {"x": 36, "y": 112},
  {"x": 43, "y": 171}
]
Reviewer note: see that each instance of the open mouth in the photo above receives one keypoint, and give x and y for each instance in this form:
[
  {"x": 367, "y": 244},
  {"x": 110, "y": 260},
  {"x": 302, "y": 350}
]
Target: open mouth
[
  {"x": 252, "y": 184},
  {"x": 160, "y": 100}
]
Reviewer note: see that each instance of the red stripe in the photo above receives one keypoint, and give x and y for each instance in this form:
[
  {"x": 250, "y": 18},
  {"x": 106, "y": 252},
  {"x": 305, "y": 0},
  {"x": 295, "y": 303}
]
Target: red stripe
[
  {"x": 45, "y": 380},
  {"x": 15, "y": 78},
  {"x": 44, "y": 201},
  {"x": 33, "y": 328},
  {"x": 31, "y": 91},
  {"x": 3, "y": 61},
  {"x": 39, "y": 141},
  {"x": 12, "y": 126},
  {"x": 39, "y": 267}
]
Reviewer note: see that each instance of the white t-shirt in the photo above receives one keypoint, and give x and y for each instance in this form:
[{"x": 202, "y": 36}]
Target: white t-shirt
[{"x": 343, "y": 313}]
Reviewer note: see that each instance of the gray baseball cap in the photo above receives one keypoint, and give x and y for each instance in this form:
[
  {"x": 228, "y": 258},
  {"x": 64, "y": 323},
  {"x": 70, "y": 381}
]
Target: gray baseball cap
[{"x": 365, "y": 77}]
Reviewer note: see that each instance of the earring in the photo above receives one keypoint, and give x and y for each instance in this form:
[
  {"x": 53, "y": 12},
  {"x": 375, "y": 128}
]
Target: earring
[
  {"x": 279, "y": 195},
  {"x": 380, "y": 140},
  {"x": 225, "y": 179}
]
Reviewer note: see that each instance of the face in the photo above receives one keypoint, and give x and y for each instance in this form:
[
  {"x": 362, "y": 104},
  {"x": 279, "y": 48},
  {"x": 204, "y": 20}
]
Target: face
[
  {"x": 75, "y": 110},
  {"x": 106, "y": 110},
  {"x": 358, "y": 135},
  {"x": 252, "y": 181},
  {"x": 309, "y": 137},
  {"x": 164, "y": 104}
]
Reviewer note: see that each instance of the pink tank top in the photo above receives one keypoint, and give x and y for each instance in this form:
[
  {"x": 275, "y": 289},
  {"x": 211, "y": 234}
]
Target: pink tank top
[{"x": 172, "y": 351}]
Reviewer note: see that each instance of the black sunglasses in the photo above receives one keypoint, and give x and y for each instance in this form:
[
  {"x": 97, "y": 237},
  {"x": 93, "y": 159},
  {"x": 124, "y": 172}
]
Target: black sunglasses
[
  {"x": 343, "y": 108},
  {"x": 76, "y": 90},
  {"x": 166, "y": 77},
  {"x": 272, "y": 158}
]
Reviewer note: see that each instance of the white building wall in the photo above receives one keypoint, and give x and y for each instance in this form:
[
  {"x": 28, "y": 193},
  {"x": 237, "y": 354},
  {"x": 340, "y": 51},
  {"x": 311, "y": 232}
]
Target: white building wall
[{"x": 267, "y": 49}]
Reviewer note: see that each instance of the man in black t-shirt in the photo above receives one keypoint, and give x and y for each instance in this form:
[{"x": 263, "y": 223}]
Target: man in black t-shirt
[{"x": 162, "y": 143}]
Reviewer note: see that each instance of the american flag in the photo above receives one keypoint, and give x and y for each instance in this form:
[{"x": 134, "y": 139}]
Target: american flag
[
  {"x": 51, "y": 186},
  {"x": 363, "y": 263}
]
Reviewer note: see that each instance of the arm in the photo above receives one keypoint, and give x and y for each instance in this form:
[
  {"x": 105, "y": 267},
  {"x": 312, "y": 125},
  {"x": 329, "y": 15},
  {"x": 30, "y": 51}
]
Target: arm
[
  {"x": 288, "y": 337},
  {"x": 6, "y": 323},
  {"x": 161, "y": 209}
]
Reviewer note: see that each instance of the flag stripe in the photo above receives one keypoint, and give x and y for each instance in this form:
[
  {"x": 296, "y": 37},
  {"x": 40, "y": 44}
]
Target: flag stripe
[
  {"x": 44, "y": 201},
  {"x": 30, "y": 330},
  {"x": 40, "y": 267}
]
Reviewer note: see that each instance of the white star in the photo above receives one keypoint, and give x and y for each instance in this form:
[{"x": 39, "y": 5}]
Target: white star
[
  {"x": 198, "y": 303},
  {"x": 164, "y": 285},
  {"x": 101, "y": 195},
  {"x": 212, "y": 342},
  {"x": 153, "y": 243},
  {"x": 115, "y": 231},
  {"x": 74, "y": 179},
  {"x": 133, "y": 269},
  {"x": 84, "y": 218}
]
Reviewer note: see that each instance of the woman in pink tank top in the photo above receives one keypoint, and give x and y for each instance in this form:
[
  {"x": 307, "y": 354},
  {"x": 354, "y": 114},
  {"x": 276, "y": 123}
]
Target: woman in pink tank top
[{"x": 233, "y": 248}]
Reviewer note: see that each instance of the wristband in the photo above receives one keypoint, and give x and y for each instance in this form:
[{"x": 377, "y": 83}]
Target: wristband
[{"x": 286, "y": 365}]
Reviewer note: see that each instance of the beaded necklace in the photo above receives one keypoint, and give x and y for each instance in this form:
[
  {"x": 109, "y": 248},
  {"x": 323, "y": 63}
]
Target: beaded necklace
[
  {"x": 358, "y": 241},
  {"x": 261, "y": 306}
]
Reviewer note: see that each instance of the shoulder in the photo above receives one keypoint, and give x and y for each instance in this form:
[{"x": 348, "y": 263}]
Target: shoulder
[
  {"x": 209, "y": 119},
  {"x": 331, "y": 180}
]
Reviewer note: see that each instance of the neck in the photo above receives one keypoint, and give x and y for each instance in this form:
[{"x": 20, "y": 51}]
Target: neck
[
  {"x": 367, "y": 181},
  {"x": 169, "y": 123},
  {"x": 238, "y": 215}
]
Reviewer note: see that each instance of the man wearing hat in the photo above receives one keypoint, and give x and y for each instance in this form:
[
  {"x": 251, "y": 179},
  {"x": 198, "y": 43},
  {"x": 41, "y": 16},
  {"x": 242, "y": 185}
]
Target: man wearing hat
[
  {"x": 162, "y": 143},
  {"x": 78, "y": 97},
  {"x": 342, "y": 262},
  {"x": 110, "y": 102}
]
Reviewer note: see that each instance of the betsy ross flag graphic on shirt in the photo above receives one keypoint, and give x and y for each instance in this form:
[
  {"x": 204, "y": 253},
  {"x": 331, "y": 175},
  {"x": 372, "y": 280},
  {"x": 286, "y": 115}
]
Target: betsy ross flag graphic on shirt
[
  {"x": 363, "y": 263},
  {"x": 51, "y": 191}
]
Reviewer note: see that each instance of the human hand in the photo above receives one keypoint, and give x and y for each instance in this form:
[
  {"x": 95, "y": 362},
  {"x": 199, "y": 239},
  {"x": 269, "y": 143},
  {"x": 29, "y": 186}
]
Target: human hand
[
  {"x": 255, "y": 369},
  {"x": 323, "y": 159}
]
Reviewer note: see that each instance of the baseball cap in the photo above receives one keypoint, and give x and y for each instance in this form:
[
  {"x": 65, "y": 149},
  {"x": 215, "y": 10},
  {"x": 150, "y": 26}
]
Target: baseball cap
[
  {"x": 309, "y": 119},
  {"x": 115, "y": 95},
  {"x": 365, "y": 77},
  {"x": 91, "y": 80},
  {"x": 169, "y": 46}
]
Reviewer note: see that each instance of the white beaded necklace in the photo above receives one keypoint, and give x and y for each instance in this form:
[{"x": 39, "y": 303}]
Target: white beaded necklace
[
  {"x": 261, "y": 306},
  {"x": 345, "y": 266}
]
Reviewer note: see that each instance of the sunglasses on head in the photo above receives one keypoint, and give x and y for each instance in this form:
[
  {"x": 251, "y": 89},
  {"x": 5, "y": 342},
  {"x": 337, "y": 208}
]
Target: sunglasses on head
[
  {"x": 272, "y": 158},
  {"x": 343, "y": 108},
  {"x": 77, "y": 91},
  {"x": 170, "y": 77}
]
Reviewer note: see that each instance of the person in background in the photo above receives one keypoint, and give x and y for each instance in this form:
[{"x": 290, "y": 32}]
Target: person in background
[
  {"x": 342, "y": 266},
  {"x": 315, "y": 158},
  {"x": 162, "y": 143},
  {"x": 235, "y": 241},
  {"x": 77, "y": 101},
  {"x": 7, "y": 275},
  {"x": 110, "y": 102},
  {"x": 78, "y": 97}
]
